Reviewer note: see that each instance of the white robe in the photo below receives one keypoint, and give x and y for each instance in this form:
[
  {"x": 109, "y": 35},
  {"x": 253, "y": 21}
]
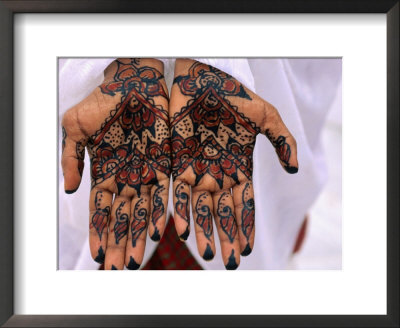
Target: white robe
[{"x": 301, "y": 89}]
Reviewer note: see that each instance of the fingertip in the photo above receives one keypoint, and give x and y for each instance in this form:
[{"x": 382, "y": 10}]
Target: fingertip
[
  {"x": 156, "y": 235},
  {"x": 232, "y": 264},
  {"x": 291, "y": 169},
  {"x": 208, "y": 254},
  {"x": 132, "y": 265},
  {"x": 184, "y": 236},
  {"x": 100, "y": 256},
  {"x": 67, "y": 191},
  {"x": 247, "y": 250}
]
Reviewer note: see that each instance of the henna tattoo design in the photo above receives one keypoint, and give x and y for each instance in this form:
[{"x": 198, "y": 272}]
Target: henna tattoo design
[
  {"x": 182, "y": 207},
  {"x": 132, "y": 144},
  {"x": 139, "y": 222},
  {"x": 209, "y": 134},
  {"x": 121, "y": 224},
  {"x": 283, "y": 150},
  {"x": 227, "y": 219},
  {"x": 101, "y": 216},
  {"x": 64, "y": 137},
  {"x": 247, "y": 216},
  {"x": 204, "y": 218},
  {"x": 158, "y": 211}
]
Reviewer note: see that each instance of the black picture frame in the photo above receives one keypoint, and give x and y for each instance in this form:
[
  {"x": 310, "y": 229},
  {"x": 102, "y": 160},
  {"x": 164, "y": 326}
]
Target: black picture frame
[{"x": 7, "y": 11}]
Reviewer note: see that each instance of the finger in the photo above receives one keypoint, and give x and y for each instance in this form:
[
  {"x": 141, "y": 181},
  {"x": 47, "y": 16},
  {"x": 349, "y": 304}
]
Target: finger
[
  {"x": 99, "y": 214},
  {"x": 224, "y": 214},
  {"x": 284, "y": 143},
  {"x": 117, "y": 236},
  {"x": 159, "y": 195},
  {"x": 202, "y": 208},
  {"x": 73, "y": 153},
  {"x": 181, "y": 193},
  {"x": 140, "y": 209},
  {"x": 243, "y": 199}
]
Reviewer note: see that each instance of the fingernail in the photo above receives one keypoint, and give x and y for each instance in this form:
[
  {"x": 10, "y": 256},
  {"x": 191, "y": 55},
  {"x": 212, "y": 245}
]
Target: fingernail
[
  {"x": 246, "y": 251},
  {"x": 71, "y": 191},
  {"x": 113, "y": 267},
  {"x": 231, "y": 265},
  {"x": 132, "y": 265},
  {"x": 208, "y": 253},
  {"x": 291, "y": 169},
  {"x": 100, "y": 256},
  {"x": 185, "y": 235}
]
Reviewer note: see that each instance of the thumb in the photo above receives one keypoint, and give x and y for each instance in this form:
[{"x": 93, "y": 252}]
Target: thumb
[
  {"x": 73, "y": 152},
  {"x": 283, "y": 141}
]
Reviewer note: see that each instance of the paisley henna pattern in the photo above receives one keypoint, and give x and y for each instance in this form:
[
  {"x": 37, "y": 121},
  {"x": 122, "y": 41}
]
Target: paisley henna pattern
[
  {"x": 101, "y": 215},
  {"x": 209, "y": 134},
  {"x": 132, "y": 146},
  {"x": 139, "y": 221},
  {"x": 121, "y": 224},
  {"x": 247, "y": 212},
  {"x": 158, "y": 211},
  {"x": 227, "y": 218},
  {"x": 204, "y": 218}
]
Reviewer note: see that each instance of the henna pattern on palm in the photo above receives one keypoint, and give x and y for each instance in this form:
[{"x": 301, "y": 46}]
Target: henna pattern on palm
[
  {"x": 139, "y": 222},
  {"x": 247, "y": 212},
  {"x": 101, "y": 215},
  {"x": 204, "y": 218},
  {"x": 209, "y": 134},
  {"x": 121, "y": 224},
  {"x": 158, "y": 211},
  {"x": 227, "y": 219},
  {"x": 133, "y": 143}
]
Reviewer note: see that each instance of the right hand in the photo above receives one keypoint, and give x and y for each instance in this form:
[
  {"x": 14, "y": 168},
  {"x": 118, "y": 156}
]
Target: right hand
[{"x": 124, "y": 125}]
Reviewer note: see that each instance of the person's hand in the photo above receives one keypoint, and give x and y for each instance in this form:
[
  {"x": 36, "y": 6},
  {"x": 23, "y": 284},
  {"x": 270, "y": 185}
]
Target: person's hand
[
  {"x": 124, "y": 125},
  {"x": 214, "y": 123}
]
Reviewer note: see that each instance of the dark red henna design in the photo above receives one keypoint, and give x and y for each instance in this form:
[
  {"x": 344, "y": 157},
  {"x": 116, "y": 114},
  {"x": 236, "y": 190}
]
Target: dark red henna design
[{"x": 204, "y": 218}]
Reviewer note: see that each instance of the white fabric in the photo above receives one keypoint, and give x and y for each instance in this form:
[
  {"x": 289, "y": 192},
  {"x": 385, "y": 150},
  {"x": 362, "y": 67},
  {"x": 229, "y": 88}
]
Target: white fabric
[{"x": 301, "y": 89}]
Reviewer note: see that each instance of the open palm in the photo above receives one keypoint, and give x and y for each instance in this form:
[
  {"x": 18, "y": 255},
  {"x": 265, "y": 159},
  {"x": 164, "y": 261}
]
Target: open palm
[
  {"x": 214, "y": 124},
  {"x": 124, "y": 125}
]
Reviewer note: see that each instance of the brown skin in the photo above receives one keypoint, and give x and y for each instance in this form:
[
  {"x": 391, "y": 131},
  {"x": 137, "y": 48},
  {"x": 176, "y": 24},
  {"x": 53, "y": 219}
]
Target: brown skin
[
  {"x": 81, "y": 123},
  {"x": 266, "y": 118}
]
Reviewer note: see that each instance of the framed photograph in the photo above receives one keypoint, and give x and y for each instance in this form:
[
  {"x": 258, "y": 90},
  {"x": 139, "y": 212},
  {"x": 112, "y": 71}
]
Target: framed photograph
[{"x": 326, "y": 248}]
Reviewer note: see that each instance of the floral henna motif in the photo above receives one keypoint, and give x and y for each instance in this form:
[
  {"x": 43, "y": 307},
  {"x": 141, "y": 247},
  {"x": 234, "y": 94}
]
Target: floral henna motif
[
  {"x": 120, "y": 149},
  {"x": 204, "y": 218},
  {"x": 227, "y": 219},
  {"x": 101, "y": 216},
  {"x": 247, "y": 212},
  {"x": 139, "y": 222},
  {"x": 210, "y": 135},
  {"x": 122, "y": 223},
  {"x": 158, "y": 211},
  {"x": 80, "y": 155}
]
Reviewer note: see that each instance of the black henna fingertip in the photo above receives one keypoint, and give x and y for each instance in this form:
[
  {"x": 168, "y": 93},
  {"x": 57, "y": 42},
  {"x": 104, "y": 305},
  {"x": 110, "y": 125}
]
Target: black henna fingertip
[
  {"x": 70, "y": 191},
  {"x": 132, "y": 265},
  {"x": 100, "y": 256},
  {"x": 231, "y": 265},
  {"x": 184, "y": 236},
  {"x": 247, "y": 250},
  {"x": 156, "y": 235},
  {"x": 291, "y": 169},
  {"x": 208, "y": 253},
  {"x": 113, "y": 267}
]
